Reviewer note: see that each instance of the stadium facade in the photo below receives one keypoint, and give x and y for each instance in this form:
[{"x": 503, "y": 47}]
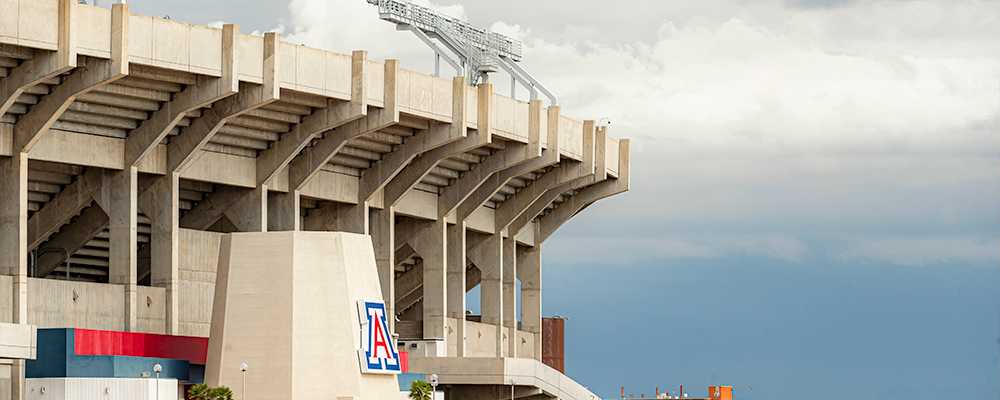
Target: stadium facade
[{"x": 132, "y": 147}]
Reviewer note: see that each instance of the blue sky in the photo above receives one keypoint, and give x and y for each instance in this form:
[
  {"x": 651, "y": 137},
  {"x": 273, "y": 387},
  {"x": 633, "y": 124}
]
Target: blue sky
[
  {"x": 815, "y": 184},
  {"x": 776, "y": 330}
]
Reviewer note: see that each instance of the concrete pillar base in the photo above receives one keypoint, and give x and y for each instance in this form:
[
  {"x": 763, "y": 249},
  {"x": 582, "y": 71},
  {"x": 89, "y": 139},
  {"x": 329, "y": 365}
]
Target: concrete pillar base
[{"x": 286, "y": 303}]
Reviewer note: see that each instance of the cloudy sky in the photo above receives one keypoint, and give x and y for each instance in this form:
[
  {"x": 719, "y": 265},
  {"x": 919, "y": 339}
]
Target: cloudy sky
[{"x": 816, "y": 190}]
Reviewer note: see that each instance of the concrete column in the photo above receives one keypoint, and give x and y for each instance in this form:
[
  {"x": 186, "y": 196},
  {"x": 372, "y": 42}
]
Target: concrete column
[
  {"x": 355, "y": 219},
  {"x": 14, "y": 246},
  {"x": 456, "y": 283},
  {"x": 123, "y": 226},
  {"x": 509, "y": 261},
  {"x": 249, "y": 212},
  {"x": 529, "y": 270},
  {"x": 284, "y": 211},
  {"x": 487, "y": 255},
  {"x": 430, "y": 241},
  {"x": 383, "y": 234},
  {"x": 162, "y": 208},
  {"x": 337, "y": 217}
]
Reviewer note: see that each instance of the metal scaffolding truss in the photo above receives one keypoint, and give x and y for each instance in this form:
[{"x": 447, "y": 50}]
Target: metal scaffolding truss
[{"x": 479, "y": 51}]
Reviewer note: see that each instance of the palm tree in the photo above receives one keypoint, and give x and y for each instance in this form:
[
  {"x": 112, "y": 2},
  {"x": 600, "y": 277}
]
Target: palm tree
[
  {"x": 222, "y": 393},
  {"x": 421, "y": 390},
  {"x": 203, "y": 392},
  {"x": 199, "y": 392}
]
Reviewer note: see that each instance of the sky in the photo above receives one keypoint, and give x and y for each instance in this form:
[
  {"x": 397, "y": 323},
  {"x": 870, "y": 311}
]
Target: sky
[{"x": 814, "y": 203}]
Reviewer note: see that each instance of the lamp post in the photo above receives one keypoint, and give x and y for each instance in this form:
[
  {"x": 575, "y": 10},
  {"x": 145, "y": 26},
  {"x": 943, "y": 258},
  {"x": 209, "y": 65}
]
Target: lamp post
[
  {"x": 157, "y": 368},
  {"x": 243, "y": 370},
  {"x": 434, "y": 385}
]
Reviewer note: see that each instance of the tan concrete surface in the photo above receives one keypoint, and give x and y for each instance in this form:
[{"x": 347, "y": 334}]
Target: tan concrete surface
[{"x": 286, "y": 303}]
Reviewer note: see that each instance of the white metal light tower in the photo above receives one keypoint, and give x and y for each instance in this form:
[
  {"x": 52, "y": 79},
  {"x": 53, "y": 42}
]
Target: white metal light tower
[{"x": 479, "y": 51}]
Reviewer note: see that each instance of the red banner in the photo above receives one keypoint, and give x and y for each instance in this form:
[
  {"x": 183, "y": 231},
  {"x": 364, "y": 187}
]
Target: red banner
[{"x": 110, "y": 343}]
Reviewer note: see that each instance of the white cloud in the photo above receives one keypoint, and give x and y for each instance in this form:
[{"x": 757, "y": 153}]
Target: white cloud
[
  {"x": 758, "y": 125},
  {"x": 931, "y": 251},
  {"x": 666, "y": 248}
]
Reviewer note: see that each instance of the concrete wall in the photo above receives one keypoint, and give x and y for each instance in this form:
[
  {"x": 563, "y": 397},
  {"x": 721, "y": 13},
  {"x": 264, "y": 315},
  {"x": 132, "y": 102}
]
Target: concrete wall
[
  {"x": 525, "y": 344},
  {"x": 62, "y": 304},
  {"x": 199, "y": 259},
  {"x": 152, "y": 312},
  {"x": 5, "y": 379},
  {"x": 426, "y": 96},
  {"x": 451, "y": 325},
  {"x": 51, "y": 304},
  {"x": 480, "y": 339}
]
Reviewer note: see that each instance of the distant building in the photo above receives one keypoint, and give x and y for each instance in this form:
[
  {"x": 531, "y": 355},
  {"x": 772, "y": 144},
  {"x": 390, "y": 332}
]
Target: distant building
[{"x": 714, "y": 393}]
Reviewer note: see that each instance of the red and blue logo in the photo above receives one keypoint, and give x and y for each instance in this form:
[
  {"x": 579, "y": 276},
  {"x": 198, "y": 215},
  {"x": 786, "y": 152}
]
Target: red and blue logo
[{"x": 378, "y": 350}]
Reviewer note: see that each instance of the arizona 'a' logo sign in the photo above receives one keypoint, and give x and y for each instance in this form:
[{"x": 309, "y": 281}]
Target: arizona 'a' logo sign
[{"x": 378, "y": 351}]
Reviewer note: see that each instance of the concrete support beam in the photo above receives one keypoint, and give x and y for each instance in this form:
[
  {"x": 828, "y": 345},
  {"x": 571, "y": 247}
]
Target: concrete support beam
[
  {"x": 515, "y": 154},
  {"x": 382, "y": 227},
  {"x": 161, "y": 204},
  {"x": 304, "y": 167},
  {"x": 486, "y": 189},
  {"x": 91, "y": 75},
  {"x": 409, "y": 282},
  {"x": 510, "y": 295},
  {"x": 487, "y": 253},
  {"x": 336, "y": 114},
  {"x": 184, "y": 147},
  {"x": 404, "y": 251},
  {"x": 42, "y": 66},
  {"x": 563, "y": 175},
  {"x": 14, "y": 246},
  {"x": 380, "y": 224},
  {"x": 380, "y": 174},
  {"x": 91, "y": 221},
  {"x": 472, "y": 278},
  {"x": 249, "y": 212},
  {"x": 330, "y": 216},
  {"x": 276, "y": 158},
  {"x": 429, "y": 240},
  {"x": 64, "y": 206},
  {"x": 212, "y": 207},
  {"x": 598, "y": 174},
  {"x": 586, "y": 196},
  {"x": 416, "y": 170},
  {"x": 123, "y": 211},
  {"x": 456, "y": 284},
  {"x": 496, "y": 256},
  {"x": 160, "y": 201},
  {"x": 205, "y": 91},
  {"x": 14, "y": 228},
  {"x": 383, "y": 235},
  {"x": 309, "y": 162},
  {"x": 529, "y": 271},
  {"x": 284, "y": 211}
]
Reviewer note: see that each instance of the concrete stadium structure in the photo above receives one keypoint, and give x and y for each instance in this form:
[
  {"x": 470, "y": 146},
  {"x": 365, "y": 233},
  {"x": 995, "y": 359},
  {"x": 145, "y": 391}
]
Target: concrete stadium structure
[{"x": 129, "y": 145}]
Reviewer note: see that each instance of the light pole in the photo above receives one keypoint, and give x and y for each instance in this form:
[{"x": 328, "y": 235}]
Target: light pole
[
  {"x": 243, "y": 370},
  {"x": 157, "y": 368},
  {"x": 434, "y": 386}
]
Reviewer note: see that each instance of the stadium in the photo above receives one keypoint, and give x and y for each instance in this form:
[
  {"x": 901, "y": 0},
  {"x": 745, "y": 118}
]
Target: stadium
[{"x": 188, "y": 204}]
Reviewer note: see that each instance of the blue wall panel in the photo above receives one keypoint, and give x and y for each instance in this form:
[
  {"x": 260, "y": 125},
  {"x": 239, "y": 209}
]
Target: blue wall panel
[{"x": 56, "y": 359}]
